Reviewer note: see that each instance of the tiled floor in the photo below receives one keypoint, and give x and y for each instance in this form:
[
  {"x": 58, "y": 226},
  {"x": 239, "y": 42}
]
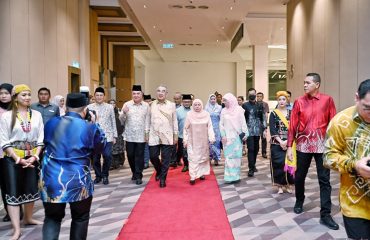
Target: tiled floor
[{"x": 254, "y": 209}]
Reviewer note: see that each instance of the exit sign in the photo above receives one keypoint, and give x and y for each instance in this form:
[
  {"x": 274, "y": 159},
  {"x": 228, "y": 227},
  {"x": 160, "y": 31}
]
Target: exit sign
[{"x": 168, "y": 45}]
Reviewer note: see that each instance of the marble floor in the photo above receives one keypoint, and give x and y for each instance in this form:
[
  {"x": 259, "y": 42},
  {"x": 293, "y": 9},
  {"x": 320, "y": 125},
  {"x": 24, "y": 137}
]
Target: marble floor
[{"x": 254, "y": 209}]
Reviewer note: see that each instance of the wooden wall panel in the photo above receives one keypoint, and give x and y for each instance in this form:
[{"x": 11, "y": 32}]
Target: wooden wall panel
[
  {"x": 51, "y": 51},
  {"x": 307, "y": 39},
  {"x": 348, "y": 52},
  {"x": 318, "y": 40},
  {"x": 331, "y": 49},
  {"x": 5, "y": 44},
  {"x": 363, "y": 41},
  {"x": 94, "y": 46},
  {"x": 36, "y": 44},
  {"x": 62, "y": 66},
  {"x": 19, "y": 41}
]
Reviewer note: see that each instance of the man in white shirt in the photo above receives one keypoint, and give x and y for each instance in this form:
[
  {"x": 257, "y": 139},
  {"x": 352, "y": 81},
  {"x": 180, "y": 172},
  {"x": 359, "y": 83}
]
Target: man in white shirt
[
  {"x": 136, "y": 117},
  {"x": 107, "y": 121},
  {"x": 163, "y": 134}
]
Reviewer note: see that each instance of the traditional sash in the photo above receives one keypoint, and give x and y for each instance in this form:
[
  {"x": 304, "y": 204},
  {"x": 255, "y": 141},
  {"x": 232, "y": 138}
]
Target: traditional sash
[{"x": 290, "y": 165}]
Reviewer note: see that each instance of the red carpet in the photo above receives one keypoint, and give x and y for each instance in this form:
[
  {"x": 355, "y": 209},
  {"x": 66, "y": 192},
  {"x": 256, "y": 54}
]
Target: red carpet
[{"x": 179, "y": 211}]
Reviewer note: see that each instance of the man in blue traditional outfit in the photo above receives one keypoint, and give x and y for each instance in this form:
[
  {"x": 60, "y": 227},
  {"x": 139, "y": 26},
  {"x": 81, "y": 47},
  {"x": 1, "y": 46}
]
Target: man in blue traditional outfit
[{"x": 65, "y": 176}]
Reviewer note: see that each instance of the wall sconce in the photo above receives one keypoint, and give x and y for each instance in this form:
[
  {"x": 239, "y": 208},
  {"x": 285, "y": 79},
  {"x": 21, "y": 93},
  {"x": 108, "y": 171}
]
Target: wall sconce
[{"x": 291, "y": 71}]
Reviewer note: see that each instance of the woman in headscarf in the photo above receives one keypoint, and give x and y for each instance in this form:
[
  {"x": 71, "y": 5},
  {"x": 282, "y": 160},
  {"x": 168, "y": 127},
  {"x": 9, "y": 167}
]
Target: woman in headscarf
[
  {"x": 118, "y": 153},
  {"x": 5, "y": 101},
  {"x": 21, "y": 138},
  {"x": 59, "y": 101},
  {"x": 279, "y": 122},
  {"x": 198, "y": 133},
  {"x": 214, "y": 109},
  {"x": 233, "y": 131}
]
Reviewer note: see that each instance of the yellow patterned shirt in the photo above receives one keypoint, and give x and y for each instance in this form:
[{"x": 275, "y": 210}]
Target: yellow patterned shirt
[{"x": 347, "y": 141}]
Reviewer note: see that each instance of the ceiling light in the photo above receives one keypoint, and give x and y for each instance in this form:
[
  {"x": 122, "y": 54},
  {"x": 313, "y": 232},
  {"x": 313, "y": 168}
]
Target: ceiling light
[
  {"x": 177, "y": 6},
  {"x": 154, "y": 26},
  {"x": 231, "y": 8},
  {"x": 190, "y": 7},
  {"x": 191, "y": 44},
  {"x": 160, "y": 40},
  {"x": 277, "y": 46},
  {"x": 198, "y": 44},
  {"x": 182, "y": 44},
  {"x": 203, "y": 7},
  {"x": 217, "y": 40},
  {"x": 145, "y": 6},
  {"x": 222, "y": 27}
]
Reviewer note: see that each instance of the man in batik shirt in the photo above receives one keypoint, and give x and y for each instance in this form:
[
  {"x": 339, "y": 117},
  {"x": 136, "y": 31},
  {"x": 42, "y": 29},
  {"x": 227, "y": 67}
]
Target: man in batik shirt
[
  {"x": 65, "y": 174},
  {"x": 309, "y": 119},
  {"x": 163, "y": 134},
  {"x": 347, "y": 151}
]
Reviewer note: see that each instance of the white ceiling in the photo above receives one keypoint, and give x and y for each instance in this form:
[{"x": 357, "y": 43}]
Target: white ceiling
[{"x": 213, "y": 28}]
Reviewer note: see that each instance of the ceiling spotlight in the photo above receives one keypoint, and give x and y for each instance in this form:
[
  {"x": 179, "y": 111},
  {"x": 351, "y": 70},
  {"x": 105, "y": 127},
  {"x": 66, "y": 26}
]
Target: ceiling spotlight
[
  {"x": 177, "y": 6},
  {"x": 190, "y": 7},
  {"x": 145, "y": 6},
  {"x": 231, "y": 8},
  {"x": 217, "y": 40},
  {"x": 160, "y": 40},
  {"x": 222, "y": 27},
  {"x": 203, "y": 7},
  {"x": 154, "y": 26}
]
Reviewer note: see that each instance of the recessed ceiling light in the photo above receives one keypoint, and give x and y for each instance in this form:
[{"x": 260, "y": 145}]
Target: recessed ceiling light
[
  {"x": 182, "y": 44},
  {"x": 177, "y": 6},
  {"x": 198, "y": 44},
  {"x": 154, "y": 26},
  {"x": 190, "y": 7},
  {"x": 231, "y": 8},
  {"x": 217, "y": 40},
  {"x": 222, "y": 27},
  {"x": 203, "y": 7},
  {"x": 191, "y": 44},
  {"x": 160, "y": 40},
  {"x": 145, "y": 6}
]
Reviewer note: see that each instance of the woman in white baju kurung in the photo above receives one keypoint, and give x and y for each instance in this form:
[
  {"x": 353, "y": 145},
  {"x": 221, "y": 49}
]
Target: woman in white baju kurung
[{"x": 198, "y": 133}]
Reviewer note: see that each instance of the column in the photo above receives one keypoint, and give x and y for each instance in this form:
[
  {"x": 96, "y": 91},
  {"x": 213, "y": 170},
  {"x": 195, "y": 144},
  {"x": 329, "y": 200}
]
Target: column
[{"x": 260, "y": 67}]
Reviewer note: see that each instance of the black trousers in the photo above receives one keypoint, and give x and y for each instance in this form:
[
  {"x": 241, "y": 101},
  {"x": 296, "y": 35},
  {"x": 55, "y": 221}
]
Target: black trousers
[
  {"x": 135, "y": 156},
  {"x": 54, "y": 214},
  {"x": 181, "y": 152},
  {"x": 107, "y": 161},
  {"x": 161, "y": 167},
  {"x": 263, "y": 145},
  {"x": 253, "y": 148},
  {"x": 323, "y": 174},
  {"x": 357, "y": 228}
]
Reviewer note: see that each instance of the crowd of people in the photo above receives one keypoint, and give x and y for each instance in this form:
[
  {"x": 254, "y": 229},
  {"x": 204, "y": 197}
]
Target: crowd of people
[{"x": 48, "y": 148}]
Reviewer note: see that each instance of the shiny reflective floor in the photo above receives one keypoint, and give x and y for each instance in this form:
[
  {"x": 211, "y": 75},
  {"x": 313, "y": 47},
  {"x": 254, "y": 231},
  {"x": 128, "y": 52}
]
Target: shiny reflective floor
[{"x": 254, "y": 209}]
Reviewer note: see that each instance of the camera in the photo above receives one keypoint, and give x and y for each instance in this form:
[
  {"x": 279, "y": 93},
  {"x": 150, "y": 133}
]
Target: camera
[{"x": 88, "y": 115}]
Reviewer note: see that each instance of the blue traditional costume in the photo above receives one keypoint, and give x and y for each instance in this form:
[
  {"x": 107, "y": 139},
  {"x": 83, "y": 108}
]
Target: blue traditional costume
[{"x": 215, "y": 113}]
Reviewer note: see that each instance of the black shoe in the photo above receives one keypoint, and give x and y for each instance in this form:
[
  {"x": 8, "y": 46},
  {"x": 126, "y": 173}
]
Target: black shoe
[
  {"x": 192, "y": 182},
  {"x": 202, "y": 178},
  {"x": 133, "y": 178},
  {"x": 157, "y": 176},
  {"x": 185, "y": 169},
  {"x": 6, "y": 218},
  {"x": 162, "y": 184},
  {"x": 255, "y": 169},
  {"x": 264, "y": 155},
  {"x": 139, "y": 181},
  {"x": 105, "y": 181},
  {"x": 298, "y": 208},
  {"x": 250, "y": 173},
  {"x": 329, "y": 222},
  {"x": 179, "y": 164},
  {"x": 97, "y": 180}
]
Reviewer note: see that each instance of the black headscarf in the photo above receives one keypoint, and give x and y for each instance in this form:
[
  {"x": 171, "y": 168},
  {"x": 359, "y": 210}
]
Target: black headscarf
[{"x": 9, "y": 88}]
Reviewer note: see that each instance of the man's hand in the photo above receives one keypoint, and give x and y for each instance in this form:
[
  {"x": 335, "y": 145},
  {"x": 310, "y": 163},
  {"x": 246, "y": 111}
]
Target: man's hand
[
  {"x": 175, "y": 139},
  {"x": 125, "y": 109},
  {"x": 290, "y": 153},
  {"x": 361, "y": 167},
  {"x": 283, "y": 145}
]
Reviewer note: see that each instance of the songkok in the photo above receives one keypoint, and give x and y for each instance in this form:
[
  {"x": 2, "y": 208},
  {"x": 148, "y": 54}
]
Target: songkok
[
  {"x": 282, "y": 93},
  {"x": 7, "y": 86},
  {"x": 147, "y": 97},
  {"x": 100, "y": 89},
  {"x": 76, "y": 100},
  {"x": 136, "y": 88},
  {"x": 20, "y": 88},
  {"x": 186, "y": 97}
]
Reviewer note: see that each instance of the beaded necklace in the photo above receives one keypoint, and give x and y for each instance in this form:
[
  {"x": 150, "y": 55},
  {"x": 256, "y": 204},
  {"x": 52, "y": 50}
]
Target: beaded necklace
[{"x": 26, "y": 126}]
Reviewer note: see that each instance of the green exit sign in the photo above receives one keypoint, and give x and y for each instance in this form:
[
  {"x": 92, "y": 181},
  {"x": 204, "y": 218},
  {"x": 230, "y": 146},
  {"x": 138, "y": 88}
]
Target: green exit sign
[{"x": 168, "y": 45}]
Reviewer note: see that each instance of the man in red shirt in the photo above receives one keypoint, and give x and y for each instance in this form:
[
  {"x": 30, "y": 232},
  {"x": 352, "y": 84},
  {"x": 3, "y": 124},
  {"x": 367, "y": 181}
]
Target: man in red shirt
[{"x": 310, "y": 117}]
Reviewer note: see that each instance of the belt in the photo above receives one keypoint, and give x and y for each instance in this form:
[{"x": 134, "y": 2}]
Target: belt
[{"x": 24, "y": 153}]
